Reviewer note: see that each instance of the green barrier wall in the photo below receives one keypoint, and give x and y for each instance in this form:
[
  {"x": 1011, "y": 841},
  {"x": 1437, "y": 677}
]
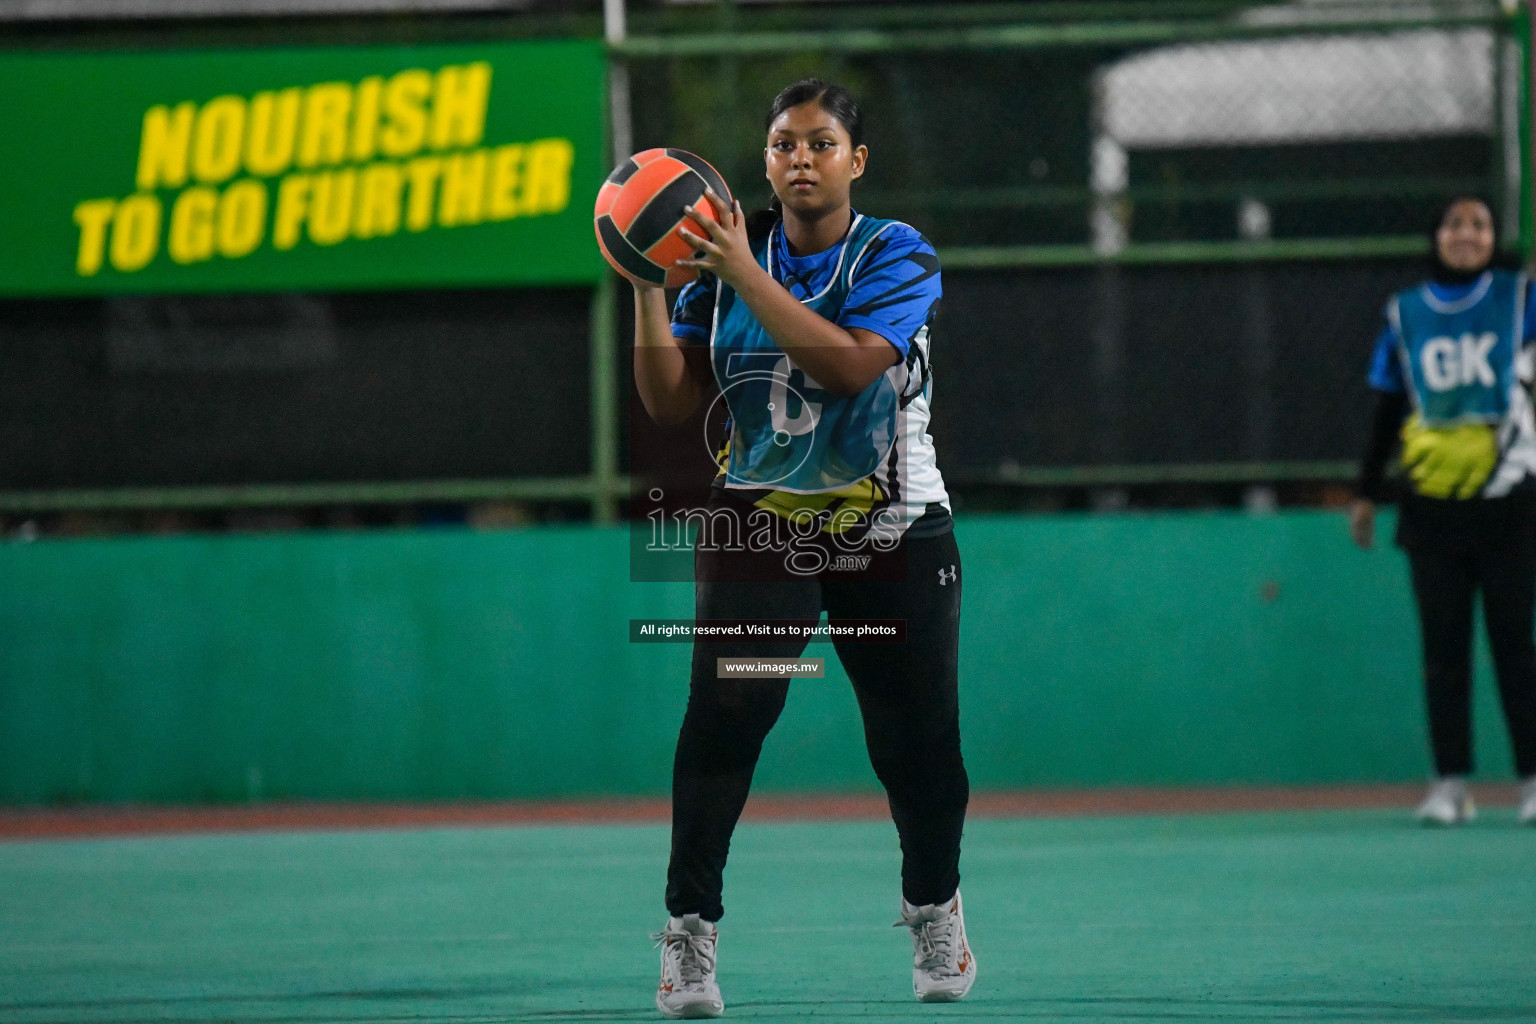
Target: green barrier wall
[{"x": 1170, "y": 649}]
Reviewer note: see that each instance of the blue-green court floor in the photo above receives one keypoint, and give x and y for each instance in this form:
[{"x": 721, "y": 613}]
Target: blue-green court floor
[{"x": 1328, "y": 916}]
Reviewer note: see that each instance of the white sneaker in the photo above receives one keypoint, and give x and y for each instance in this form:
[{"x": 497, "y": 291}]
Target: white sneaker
[
  {"x": 1447, "y": 803},
  {"x": 1527, "y": 814},
  {"x": 688, "y": 989},
  {"x": 942, "y": 966}
]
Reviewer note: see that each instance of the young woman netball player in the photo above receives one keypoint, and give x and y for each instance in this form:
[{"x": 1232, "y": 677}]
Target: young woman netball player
[
  {"x": 1452, "y": 368},
  {"x": 812, "y": 327}
]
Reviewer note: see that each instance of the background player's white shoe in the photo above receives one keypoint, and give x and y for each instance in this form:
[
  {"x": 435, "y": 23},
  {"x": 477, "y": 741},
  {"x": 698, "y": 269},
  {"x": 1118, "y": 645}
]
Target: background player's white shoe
[
  {"x": 1447, "y": 803},
  {"x": 1527, "y": 812},
  {"x": 688, "y": 989},
  {"x": 942, "y": 966}
]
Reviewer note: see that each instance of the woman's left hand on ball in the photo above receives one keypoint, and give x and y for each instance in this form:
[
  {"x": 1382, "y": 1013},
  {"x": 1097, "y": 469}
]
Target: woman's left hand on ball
[{"x": 724, "y": 250}]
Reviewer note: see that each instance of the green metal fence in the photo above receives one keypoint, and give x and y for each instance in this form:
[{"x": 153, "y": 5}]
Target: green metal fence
[{"x": 1167, "y": 132}]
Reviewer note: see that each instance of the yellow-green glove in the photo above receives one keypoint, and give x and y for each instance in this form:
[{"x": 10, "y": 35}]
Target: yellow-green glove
[{"x": 1449, "y": 462}]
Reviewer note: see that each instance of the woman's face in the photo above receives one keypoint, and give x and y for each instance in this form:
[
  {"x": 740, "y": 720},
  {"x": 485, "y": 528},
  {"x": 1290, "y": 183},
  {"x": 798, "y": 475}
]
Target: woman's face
[
  {"x": 811, "y": 161},
  {"x": 1464, "y": 240}
]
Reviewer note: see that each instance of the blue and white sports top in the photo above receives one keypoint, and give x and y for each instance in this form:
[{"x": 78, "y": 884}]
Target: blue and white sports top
[
  {"x": 1463, "y": 354},
  {"x": 792, "y": 445}
]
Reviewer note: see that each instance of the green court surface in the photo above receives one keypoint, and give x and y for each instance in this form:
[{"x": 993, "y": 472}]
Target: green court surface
[{"x": 1326, "y": 916}]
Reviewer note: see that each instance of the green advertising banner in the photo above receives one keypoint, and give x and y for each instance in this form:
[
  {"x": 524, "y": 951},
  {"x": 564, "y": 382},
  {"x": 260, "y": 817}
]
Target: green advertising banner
[{"x": 300, "y": 169}]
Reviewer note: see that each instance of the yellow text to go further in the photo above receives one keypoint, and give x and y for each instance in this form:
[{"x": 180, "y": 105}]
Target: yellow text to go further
[{"x": 375, "y": 200}]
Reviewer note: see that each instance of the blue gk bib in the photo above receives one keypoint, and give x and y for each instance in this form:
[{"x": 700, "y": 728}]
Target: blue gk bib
[
  {"x": 787, "y": 433},
  {"x": 1459, "y": 357}
]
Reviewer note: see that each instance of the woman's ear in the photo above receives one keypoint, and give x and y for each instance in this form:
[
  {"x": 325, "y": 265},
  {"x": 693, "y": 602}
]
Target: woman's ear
[{"x": 860, "y": 158}]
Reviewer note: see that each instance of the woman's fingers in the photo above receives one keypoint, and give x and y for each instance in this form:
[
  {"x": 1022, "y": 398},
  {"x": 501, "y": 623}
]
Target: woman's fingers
[
  {"x": 698, "y": 243},
  {"x": 711, "y": 251},
  {"x": 706, "y": 253},
  {"x": 722, "y": 211},
  {"x": 707, "y": 223}
]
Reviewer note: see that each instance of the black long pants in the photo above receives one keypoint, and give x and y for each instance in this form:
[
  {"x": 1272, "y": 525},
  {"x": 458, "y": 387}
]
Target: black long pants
[
  {"x": 908, "y": 696},
  {"x": 1492, "y": 551}
]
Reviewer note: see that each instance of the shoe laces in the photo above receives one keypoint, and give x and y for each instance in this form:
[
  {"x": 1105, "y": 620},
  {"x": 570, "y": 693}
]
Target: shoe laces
[
  {"x": 692, "y": 955},
  {"x": 935, "y": 940}
]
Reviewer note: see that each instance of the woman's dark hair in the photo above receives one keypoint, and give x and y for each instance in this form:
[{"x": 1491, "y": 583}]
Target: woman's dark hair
[
  {"x": 832, "y": 98},
  {"x": 1438, "y": 268}
]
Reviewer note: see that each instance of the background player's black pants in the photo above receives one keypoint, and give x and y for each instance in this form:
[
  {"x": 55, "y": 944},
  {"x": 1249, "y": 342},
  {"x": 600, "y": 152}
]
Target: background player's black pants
[
  {"x": 907, "y": 694},
  {"x": 1495, "y": 553}
]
